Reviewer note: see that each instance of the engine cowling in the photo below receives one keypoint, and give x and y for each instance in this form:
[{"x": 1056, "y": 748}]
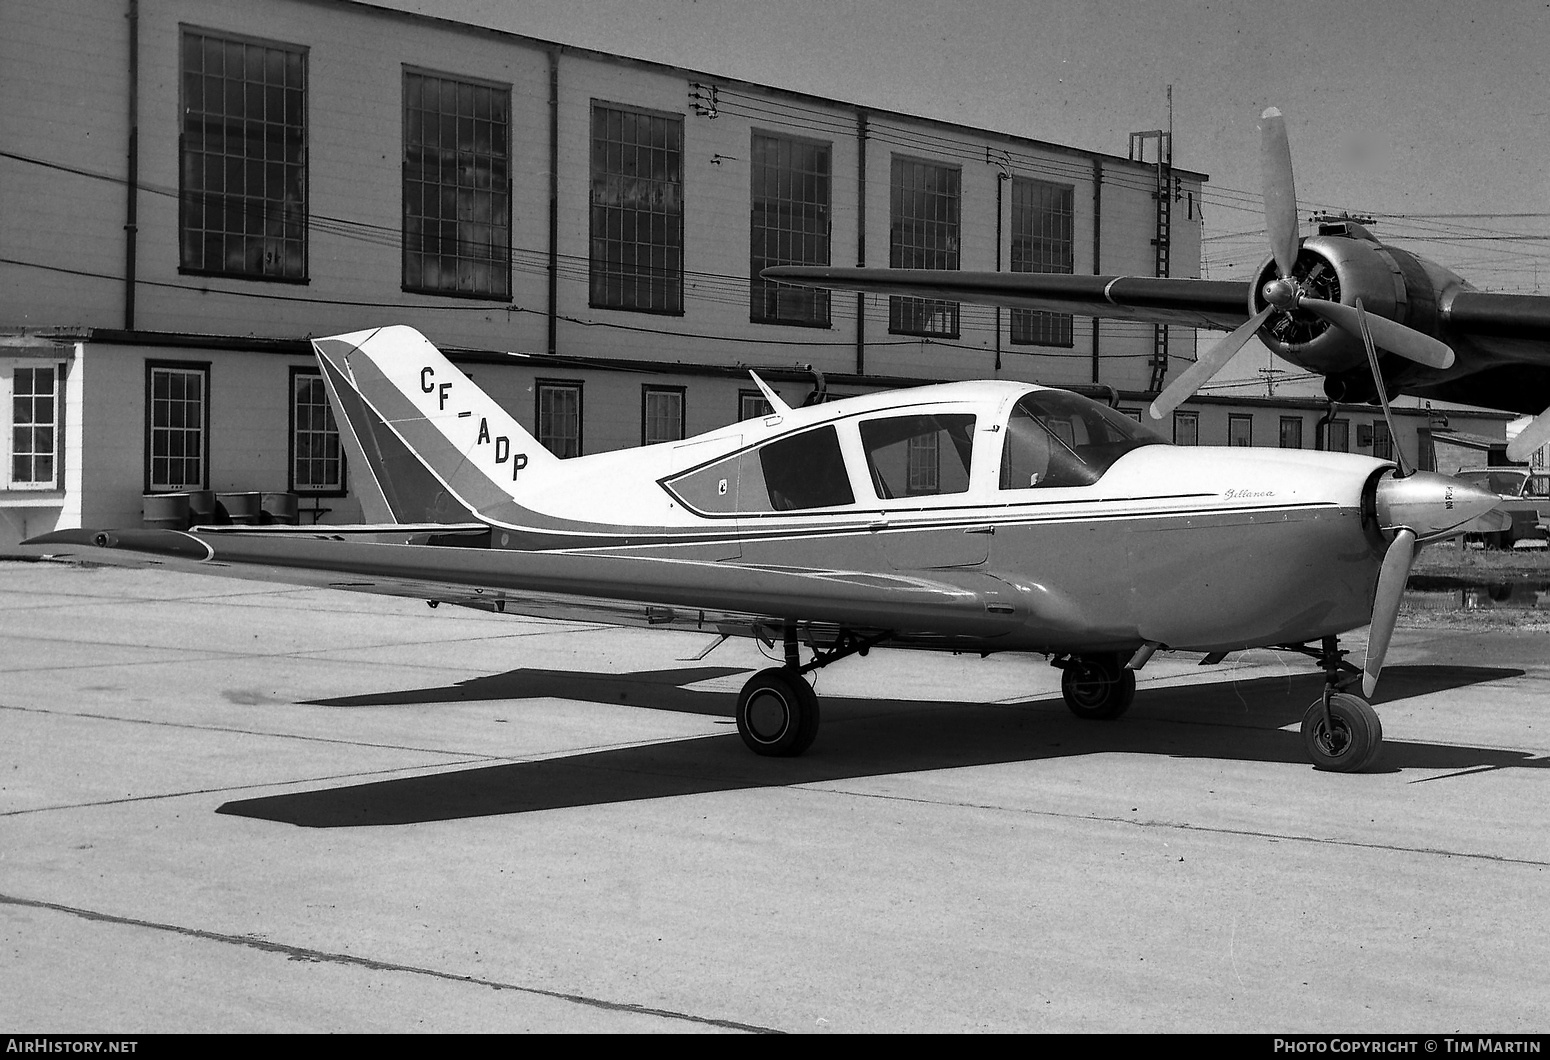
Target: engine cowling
[{"x": 1341, "y": 263}]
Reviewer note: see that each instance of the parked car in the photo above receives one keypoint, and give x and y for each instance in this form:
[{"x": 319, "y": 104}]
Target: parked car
[{"x": 1525, "y": 494}]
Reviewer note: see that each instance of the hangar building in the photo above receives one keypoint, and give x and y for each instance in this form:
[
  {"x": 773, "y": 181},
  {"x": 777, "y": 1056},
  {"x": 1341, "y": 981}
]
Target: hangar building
[{"x": 189, "y": 189}]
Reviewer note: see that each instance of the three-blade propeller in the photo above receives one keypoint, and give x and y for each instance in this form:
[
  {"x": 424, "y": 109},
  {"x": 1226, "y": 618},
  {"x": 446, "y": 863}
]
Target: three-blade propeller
[{"x": 1287, "y": 293}]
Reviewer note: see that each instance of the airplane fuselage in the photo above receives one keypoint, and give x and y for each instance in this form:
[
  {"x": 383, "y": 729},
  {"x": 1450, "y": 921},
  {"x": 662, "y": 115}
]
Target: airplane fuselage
[{"x": 1205, "y": 548}]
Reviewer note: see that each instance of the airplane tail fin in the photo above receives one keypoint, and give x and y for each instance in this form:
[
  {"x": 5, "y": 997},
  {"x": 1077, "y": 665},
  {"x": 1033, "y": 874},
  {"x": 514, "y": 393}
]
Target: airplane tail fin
[{"x": 434, "y": 446}]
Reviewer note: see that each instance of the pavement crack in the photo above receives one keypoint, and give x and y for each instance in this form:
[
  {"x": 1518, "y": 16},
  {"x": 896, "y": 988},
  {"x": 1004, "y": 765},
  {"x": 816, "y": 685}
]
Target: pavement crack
[
  {"x": 303, "y": 953},
  {"x": 1251, "y": 833}
]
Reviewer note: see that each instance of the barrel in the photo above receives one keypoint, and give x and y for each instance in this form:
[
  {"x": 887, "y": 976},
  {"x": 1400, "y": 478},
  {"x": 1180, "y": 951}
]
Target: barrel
[
  {"x": 282, "y": 508},
  {"x": 165, "y": 511},
  {"x": 245, "y": 509},
  {"x": 201, "y": 508}
]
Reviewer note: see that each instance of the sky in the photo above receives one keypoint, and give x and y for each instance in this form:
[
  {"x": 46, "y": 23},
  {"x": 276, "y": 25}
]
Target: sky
[{"x": 1432, "y": 117}]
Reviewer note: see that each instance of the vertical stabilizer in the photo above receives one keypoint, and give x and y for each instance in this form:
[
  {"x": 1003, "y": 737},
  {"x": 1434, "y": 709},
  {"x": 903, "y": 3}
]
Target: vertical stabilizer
[{"x": 436, "y": 447}]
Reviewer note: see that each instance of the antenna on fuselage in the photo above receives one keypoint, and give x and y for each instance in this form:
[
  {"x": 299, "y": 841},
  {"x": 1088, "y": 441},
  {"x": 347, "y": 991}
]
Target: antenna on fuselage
[{"x": 779, "y": 406}]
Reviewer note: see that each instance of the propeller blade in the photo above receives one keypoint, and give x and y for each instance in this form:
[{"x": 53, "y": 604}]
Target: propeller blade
[
  {"x": 1394, "y": 337},
  {"x": 1275, "y": 163},
  {"x": 1530, "y": 438},
  {"x": 1207, "y": 365},
  {"x": 1385, "y": 604},
  {"x": 1363, "y": 323}
]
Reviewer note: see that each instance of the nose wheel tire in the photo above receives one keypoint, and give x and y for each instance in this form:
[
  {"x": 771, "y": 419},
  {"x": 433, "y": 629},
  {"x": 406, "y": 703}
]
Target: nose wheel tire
[
  {"x": 777, "y": 713},
  {"x": 1351, "y": 738},
  {"x": 1099, "y": 689}
]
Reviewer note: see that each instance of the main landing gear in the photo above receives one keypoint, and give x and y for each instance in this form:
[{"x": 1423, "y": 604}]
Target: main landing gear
[
  {"x": 1096, "y": 687},
  {"x": 777, "y": 710},
  {"x": 1340, "y": 731}
]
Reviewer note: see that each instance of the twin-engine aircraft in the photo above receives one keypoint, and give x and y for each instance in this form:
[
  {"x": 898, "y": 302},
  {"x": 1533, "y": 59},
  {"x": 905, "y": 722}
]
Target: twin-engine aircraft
[
  {"x": 968, "y": 517},
  {"x": 1440, "y": 338}
]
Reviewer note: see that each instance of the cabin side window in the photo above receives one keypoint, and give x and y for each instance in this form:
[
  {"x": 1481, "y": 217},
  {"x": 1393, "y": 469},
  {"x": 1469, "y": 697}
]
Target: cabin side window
[
  {"x": 798, "y": 471},
  {"x": 806, "y": 470},
  {"x": 919, "y": 456}
]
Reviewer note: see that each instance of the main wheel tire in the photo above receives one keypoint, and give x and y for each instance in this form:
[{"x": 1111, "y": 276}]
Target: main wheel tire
[
  {"x": 1350, "y": 741},
  {"x": 777, "y": 713},
  {"x": 1097, "y": 688}
]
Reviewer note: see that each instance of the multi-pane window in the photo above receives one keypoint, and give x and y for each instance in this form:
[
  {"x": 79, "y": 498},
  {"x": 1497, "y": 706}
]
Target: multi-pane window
[
  {"x": 662, "y": 414},
  {"x": 177, "y": 419},
  {"x": 558, "y": 418},
  {"x": 637, "y": 212},
  {"x": 1382, "y": 441},
  {"x": 1186, "y": 428},
  {"x": 788, "y": 225},
  {"x": 1339, "y": 436},
  {"x": 317, "y": 463},
  {"x": 1291, "y": 432},
  {"x": 752, "y": 404},
  {"x": 1041, "y": 242},
  {"x": 243, "y": 203},
  {"x": 923, "y": 234},
  {"x": 1240, "y": 430},
  {"x": 457, "y": 186},
  {"x": 33, "y": 462}
]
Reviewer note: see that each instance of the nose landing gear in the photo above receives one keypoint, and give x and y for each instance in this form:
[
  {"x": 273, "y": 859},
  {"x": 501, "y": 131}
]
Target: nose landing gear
[{"x": 1341, "y": 731}]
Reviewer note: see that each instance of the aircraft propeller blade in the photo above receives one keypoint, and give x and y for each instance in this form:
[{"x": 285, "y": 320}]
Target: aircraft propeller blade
[
  {"x": 1536, "y": 434},
  {"x": 1280, "y": 192},
  {"x": 1385, "y": 604},
  {"x": 1207, "y": 365},
  {"x": 1392, "y": 336}
]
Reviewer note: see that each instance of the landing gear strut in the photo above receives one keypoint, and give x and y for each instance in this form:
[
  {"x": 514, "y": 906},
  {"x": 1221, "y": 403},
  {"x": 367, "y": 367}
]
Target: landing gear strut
[
  {"x": 777, "y": 710},
  {"x": 1097, "y": 687},
  {"x": 1340, "y": 730}
]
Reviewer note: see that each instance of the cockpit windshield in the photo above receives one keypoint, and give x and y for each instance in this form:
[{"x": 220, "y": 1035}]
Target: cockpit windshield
[{"x": 1057, "y": 438}]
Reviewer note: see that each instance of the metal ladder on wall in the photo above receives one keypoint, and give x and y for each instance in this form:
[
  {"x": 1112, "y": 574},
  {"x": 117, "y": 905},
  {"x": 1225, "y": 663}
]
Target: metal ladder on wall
[{"x": 1163, "y": 195}]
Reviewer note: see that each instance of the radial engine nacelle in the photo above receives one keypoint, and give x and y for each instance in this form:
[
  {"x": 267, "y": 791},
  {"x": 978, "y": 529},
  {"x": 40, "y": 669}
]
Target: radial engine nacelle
[{"x": 1341, "y": 263}]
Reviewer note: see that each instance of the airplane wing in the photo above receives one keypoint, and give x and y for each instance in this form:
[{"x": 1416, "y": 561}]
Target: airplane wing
[
  {"x": 925, "y": 606},
  {"x": 1219, "y": 304},
  {"x": 1503, "y": 316}
]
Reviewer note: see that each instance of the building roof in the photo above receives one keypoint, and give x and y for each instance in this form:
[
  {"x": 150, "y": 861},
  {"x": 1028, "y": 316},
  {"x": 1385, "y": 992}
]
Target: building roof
[{"x": 786, "y": 93}]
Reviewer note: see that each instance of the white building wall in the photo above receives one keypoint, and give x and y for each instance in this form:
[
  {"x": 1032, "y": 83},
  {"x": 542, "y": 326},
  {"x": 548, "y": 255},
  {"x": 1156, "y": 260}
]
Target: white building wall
[{"x": 67, "y": 65}]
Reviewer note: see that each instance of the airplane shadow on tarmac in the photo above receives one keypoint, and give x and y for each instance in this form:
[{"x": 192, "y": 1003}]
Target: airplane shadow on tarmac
[{"x": 1236, "y": 721}]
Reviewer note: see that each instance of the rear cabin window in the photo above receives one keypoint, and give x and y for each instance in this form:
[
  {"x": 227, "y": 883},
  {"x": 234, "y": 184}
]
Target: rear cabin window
[
  {"x": 919, "y": 456},
  {"x": 1056, "y": 438},
  {"x": 806, "y": 471}
]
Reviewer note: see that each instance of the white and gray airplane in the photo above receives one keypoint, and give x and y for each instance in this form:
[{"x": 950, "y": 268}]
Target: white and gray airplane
[{"x": 968, "y": 517}]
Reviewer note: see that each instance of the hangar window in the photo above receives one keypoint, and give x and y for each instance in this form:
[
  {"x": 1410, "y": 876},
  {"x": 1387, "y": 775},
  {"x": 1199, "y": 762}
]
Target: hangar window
[
  {"x": 317, "y": 462},
  {"x": 457, "y": 186},
  {"x": 923, "y": 234},
  {"x": 558, "y": 417},
  {"x": 1240, "y": 430},
  {"x": 1338, "y": 436},
  {"x": 1056, "y": 438},
  {"x": 31, "y": 391},
  {"x": 1382, "y": 441},
  {"x": 1186, "y": 428},
  {"x": 1041, "y": 242},
  {"x": 1291, "y": 432},
  {"x": 918, "y": 456},
  {"x": 177, "y": 418},
  {"x": 752, "y": 404},
  {"x": 637, "y": 215},
  {"x": 789, "y": 226},
  {"x": 661, "y": 414},
  {"x": 806, "y": 471},
  {"x": 243, "y": 173}
]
